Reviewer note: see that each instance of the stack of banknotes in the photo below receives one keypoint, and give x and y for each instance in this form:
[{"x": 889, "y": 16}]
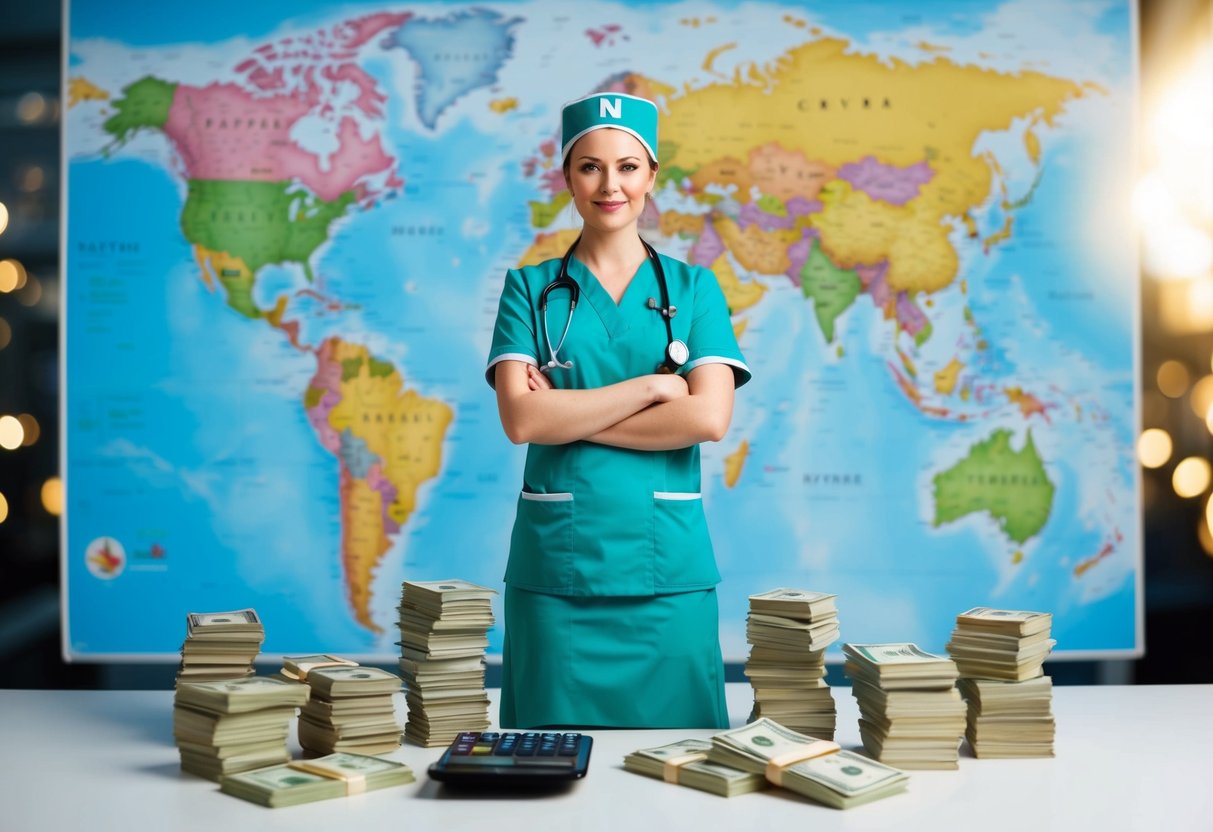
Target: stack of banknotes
[
  {"x": 1000, "y": 655},
  {"x": 443, "y": 635},
  {"x": 815, "y": 768},
  {"x": 789, "y": 631},
  {"x": 765, "y": 753},
  {"x": 352, "y": 708},
  {"x": 235, "y": 725},
  {"x": 322, "y": 778},
  {"x": 910, "y": 713},
  {"x": 220, "y": 645},
  {"x": 686, "y": 763}
]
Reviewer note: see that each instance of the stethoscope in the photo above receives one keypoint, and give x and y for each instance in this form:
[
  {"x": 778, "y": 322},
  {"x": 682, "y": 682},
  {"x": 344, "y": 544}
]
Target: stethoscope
[{"x": 676, "y": 352}]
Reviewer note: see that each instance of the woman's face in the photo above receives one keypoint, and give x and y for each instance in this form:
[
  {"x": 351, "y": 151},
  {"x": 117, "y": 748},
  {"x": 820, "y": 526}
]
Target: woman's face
[{"x": 609, "y": 174}]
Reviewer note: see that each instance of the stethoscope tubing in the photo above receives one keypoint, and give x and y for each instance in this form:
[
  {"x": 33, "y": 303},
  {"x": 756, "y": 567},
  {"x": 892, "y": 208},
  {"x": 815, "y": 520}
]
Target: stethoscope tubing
[{"x": 676, "y": 351}]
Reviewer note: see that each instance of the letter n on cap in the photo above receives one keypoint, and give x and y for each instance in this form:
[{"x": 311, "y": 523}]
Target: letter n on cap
[{"x": 607, "y": 109}]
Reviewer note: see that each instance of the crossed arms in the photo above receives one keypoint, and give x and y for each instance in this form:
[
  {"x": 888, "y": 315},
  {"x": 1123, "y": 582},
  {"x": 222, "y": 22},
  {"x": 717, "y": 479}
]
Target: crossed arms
[{"x": 647, "y": 413}]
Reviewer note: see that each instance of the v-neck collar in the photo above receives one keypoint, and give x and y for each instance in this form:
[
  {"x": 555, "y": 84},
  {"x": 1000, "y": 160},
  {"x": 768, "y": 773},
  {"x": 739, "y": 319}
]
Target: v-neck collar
[{"x": 592, "y": 291}]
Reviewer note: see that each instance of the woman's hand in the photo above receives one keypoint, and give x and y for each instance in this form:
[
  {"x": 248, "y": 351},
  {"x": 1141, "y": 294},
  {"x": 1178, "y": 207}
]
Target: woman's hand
[
  {"x": 667, "y": 387},
  {"x": 537, "y": 380}
]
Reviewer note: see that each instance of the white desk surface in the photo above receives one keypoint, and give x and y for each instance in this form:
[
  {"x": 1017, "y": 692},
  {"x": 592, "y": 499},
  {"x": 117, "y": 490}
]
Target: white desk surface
[{"x": 1128, "y": 758}]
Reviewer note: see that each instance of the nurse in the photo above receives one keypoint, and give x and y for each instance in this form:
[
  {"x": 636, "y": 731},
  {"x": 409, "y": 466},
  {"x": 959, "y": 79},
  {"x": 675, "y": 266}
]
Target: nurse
[{"x": 610, "y": 604}]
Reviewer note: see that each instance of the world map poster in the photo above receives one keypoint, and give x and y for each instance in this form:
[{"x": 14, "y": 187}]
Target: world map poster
[{"x": 287, "y": 227}]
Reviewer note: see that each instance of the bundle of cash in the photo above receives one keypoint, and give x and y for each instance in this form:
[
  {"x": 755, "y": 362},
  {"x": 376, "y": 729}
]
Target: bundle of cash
[
  {"x": 443, "y": 635},
  {"x": 686, "y": 763},
  {"x": 1009, "y": 719},
  {"x": 910, "y": 712},
  {"x": 1001, "y": 644},
  {"x": 789, "y": 631},
  {"x": 220, "y": 645},
  {"x": 815, "y": 768},
  {"x": 235, "y": 725},
  {"x": 1000, "y": 655},
  {"x": 304, "y": 781},
  {"x": 352, "y": 708}
]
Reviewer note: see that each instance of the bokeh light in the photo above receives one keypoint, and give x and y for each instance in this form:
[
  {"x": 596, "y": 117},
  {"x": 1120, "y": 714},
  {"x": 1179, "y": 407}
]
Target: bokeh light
[
  {"x": 3, "y": 508},
  {"x": 11, "y": 433},
  {"x": 1154, "y": 447},
  {"x": 31, "y": 178},
  {"x": 1201, "y": 397},
  {"x": 10, "y": 275},
  {"x": 52, "y": 496},
  {"x": 31, "y": 427},
  {"x": 1191, "y": 477},
  {"x": 1173, "y": 379},
  {"x": 6, "y": 333},
  {"x": 1205, "y": 537},
  {"x": 3, "y": 217},
  {"x": 31, "y": 293},
  {"x": 32, "y": 108}
]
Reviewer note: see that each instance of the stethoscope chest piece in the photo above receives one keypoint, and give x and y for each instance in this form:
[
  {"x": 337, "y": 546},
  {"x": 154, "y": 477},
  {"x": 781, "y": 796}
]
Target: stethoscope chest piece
[{"x": 677, "y": 352}]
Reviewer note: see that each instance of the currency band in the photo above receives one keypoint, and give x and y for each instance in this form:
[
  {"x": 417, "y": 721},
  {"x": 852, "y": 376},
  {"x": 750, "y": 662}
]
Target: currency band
[
  {"x": 776, "y": 766},
  {"x": 669, "y": 771},
  {"x": 355, "y": 783},
  {"x": 302, "y": 670}
]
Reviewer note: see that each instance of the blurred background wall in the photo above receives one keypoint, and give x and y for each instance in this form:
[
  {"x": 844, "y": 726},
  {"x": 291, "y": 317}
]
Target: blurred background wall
[{"x": 1173, "y": 204}]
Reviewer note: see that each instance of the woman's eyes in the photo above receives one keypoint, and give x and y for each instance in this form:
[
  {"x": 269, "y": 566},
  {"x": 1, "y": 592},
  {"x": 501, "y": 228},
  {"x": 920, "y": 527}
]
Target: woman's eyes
[{"x": 626, "y": 167}]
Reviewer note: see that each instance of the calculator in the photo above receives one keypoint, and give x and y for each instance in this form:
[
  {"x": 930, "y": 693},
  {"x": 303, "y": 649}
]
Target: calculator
[{"x": 514, "y": 758}]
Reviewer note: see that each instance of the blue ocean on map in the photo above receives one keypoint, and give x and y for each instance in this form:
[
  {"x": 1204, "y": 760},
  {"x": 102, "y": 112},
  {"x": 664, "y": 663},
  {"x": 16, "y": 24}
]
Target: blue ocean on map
[{"x": 196, "y": 418}]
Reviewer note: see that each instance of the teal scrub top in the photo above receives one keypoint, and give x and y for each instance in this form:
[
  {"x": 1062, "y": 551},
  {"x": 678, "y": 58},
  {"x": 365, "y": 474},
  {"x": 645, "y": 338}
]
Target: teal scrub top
[{"x": 595, "y": 520}]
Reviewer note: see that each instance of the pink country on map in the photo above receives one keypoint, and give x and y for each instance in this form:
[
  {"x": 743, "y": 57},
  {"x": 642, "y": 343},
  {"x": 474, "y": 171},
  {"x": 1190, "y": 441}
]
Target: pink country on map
[{"x": 224, "y": 132}]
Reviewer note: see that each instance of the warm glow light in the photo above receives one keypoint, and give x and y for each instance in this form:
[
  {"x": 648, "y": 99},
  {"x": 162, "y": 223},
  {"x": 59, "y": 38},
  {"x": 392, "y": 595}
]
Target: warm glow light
[
  {"x": 1154, "y": 447},
  {"x": 31, "y": 107},
  {"x": 1176, "y": 251},
  {"x": 52, "y": 496},
  {"x": 3, "y": 217},
  {"x": 1205, "y": 537},
  {"x": 1191, "y": 477},
  {"x": 32, "y": 178},
  {"x": 32, "y": 430},
  {"x": 6, "y": 333},
  {"x": 11, "y": 433},
  {"x": 3, "y": 509},
  {"x": 31, "y": 293},
  {"x": 1172, "y": 379},
  {"x": 10, "y": 275},
  {"x": 1201, "y": 396},
  {"x": 1185, "y": 307},
  {"x": 1153, "y": 202},
  {"x": 1207, "y": 526},
  {"x": 1181, "y": 132}
]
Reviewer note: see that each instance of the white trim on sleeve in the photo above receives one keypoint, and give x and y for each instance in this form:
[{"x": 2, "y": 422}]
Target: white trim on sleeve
[
  {"x": 490, "y": 377},
  {"x": 677, "y": 495}
]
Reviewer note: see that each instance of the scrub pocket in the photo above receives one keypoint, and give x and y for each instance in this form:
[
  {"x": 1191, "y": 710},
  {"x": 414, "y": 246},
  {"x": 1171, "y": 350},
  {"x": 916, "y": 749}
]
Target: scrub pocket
[
  {"x": 681, "y": 544},
  {"x": 541, "y": 547}
]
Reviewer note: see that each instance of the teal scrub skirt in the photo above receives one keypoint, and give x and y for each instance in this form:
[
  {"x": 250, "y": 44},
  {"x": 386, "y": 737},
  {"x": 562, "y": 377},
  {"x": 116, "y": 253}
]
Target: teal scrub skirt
[{"x": 609, "y": 662}]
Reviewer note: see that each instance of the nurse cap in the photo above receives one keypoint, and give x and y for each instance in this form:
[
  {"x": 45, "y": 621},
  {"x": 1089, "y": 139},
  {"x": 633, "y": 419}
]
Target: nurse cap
[{"x": 629, "y": 113}]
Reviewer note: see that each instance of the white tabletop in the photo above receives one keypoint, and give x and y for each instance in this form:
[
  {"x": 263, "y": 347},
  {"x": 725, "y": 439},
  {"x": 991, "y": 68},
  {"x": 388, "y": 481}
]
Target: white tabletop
[{"x": 1127, "y": 758}]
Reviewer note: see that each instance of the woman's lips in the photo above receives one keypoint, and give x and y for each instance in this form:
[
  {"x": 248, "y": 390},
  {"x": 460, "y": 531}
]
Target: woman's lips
[{"x": 610, "y": 206}]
